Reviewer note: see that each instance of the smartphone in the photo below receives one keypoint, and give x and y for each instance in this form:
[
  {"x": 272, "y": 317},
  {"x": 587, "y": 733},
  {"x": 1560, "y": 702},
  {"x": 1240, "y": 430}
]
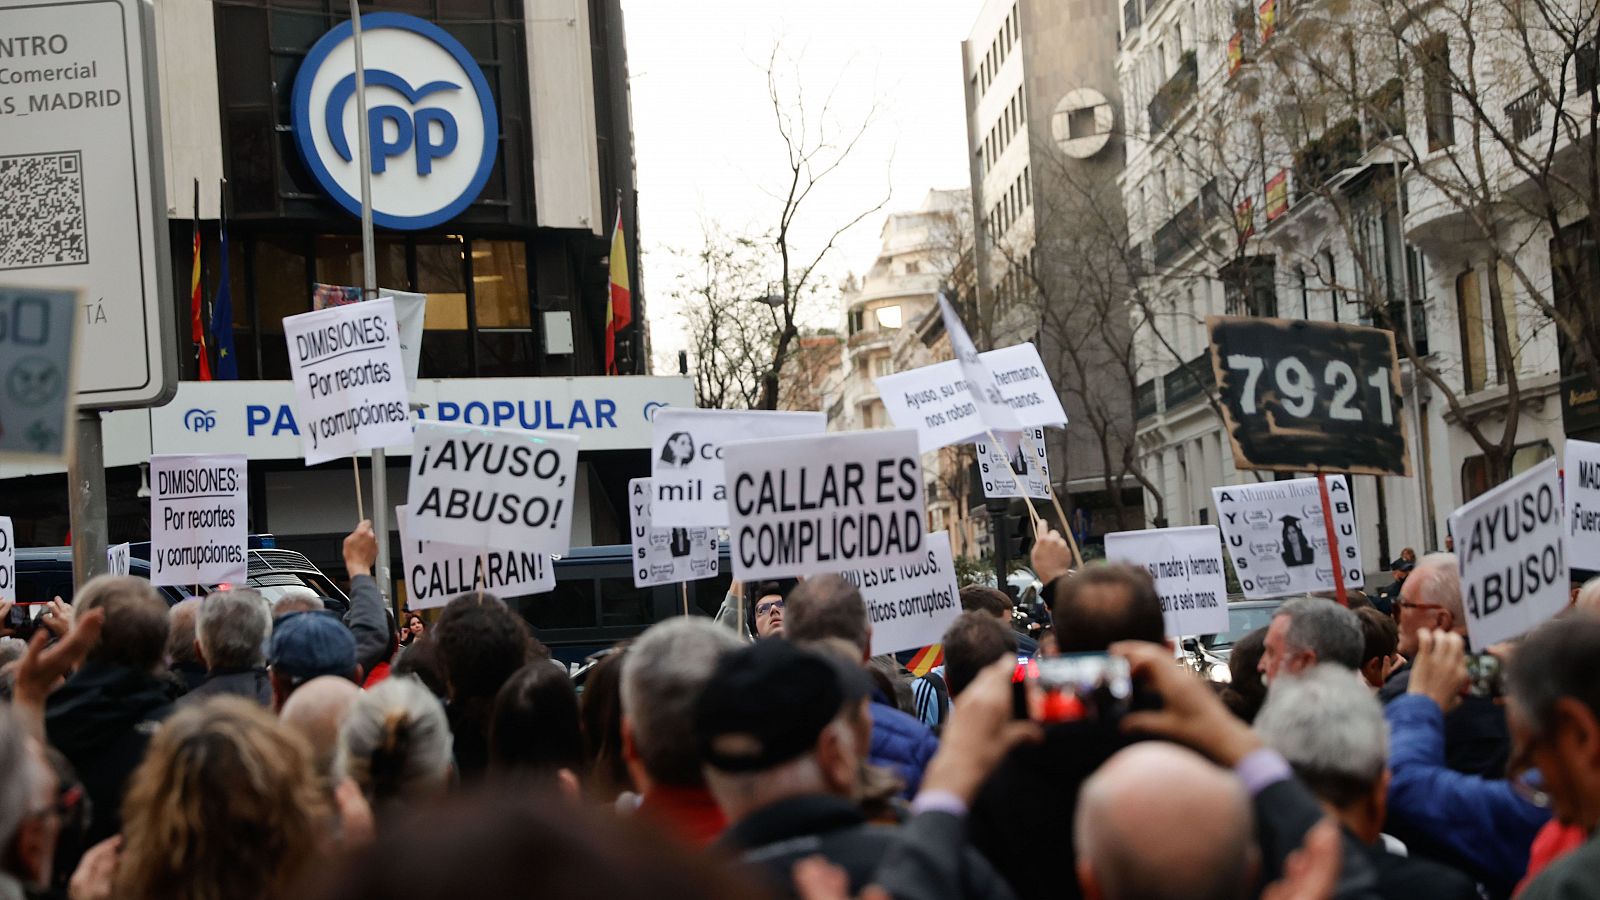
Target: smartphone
[
  {"x": 1076, "y": 688},
  {"x": 23, "y": 619},
  {"x": 1483, "y": 675}
]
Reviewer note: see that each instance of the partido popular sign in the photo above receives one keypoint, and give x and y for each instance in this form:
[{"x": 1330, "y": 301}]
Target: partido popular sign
[
  {"x": 349, "y": 379},
  {"x": 910, "y": 604},
  {"x": 197, "y": 519},
  {"x": 1186, "y": 565},
  {"x": 1513, "y": 564},
  {"x": 808, "y": 505},
  {"x": 671, "y": 554},
  {"x": 492, "y": 487},
  {"x": 686, "y": 472},
  {"x": 1278, "y": 540},
  {"x": 437, "y": 571},
  {"x": 1300, "y": 396}
]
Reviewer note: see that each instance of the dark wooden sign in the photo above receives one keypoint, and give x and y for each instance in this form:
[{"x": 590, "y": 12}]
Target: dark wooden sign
[{"x": 1302, "y": 396}]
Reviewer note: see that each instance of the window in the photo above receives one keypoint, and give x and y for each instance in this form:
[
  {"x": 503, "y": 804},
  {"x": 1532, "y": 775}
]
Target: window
[
  {"x": 1437, "y": 98},
  {"x": 1503, "y": 295},
  {"x": 883, "y": 365},
  {"x": 888, "y": 316},
  {"x": 1248, "y": 284},
  {"x": 504, "y": 311},
  {"x": 857, "y": 320},
  {"x": 913, "y": 267},
  {"x": 441, "y": 274},
  {"x": 1475, "y": 480},
  {"x": 1469, "y": 312}
]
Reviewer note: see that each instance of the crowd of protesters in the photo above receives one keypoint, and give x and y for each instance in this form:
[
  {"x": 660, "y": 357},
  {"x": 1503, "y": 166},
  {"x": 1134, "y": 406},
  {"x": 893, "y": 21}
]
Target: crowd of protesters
[{"x": 226, "y": 747}]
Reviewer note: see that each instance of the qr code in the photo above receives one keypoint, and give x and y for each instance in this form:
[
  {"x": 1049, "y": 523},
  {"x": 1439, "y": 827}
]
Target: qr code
[{"x": 41, "y": 211}]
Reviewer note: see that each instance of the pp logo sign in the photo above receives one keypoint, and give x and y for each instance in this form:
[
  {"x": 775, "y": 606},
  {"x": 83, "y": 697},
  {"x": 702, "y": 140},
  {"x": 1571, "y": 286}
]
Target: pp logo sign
[{"x": 431, "y": 121}]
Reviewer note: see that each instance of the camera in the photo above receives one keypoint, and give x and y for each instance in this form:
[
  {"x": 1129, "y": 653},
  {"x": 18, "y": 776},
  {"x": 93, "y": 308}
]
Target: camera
[
  {"x": 1081, "y": 687},
  {"x": 1483, "y": 675},
  {"x": 23, "y": 620}
]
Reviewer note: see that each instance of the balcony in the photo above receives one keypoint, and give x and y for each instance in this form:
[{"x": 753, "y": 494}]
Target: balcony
[
  {"x": 1318, "y": 160},
  {"x": 1145, "y": 401},
  {"x": 1184, "y": 383},
  {"x": 1525, "y": 116},
  {"x": 1175, "y": 95},
  {"x": 1183, "y": 230},
  {"x": 1385, "y": 113}
]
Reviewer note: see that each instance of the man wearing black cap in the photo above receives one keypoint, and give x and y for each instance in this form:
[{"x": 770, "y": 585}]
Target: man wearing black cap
[
  {"x": 306, "y": 645},
  {"x": 782, "y": 733},
  {"x": 1390, "y": 595}
]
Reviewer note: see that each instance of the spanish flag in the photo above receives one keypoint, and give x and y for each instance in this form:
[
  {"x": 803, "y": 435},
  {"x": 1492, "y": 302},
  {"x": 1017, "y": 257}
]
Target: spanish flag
[
  {"x": 620, "y": 311},
  {"x": 926, "y": 659},
  {"x": 197, "y": 328}
]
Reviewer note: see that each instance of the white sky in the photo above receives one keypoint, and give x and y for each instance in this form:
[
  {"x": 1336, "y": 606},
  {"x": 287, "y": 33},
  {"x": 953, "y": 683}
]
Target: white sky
[{"x": 705, "y": 138}]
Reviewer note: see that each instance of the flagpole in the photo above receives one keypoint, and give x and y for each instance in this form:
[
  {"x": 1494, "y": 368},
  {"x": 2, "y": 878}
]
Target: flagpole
[{"x": 369, "y": 290}]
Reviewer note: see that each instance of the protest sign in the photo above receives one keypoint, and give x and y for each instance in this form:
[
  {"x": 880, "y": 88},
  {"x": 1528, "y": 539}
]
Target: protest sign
[
  {"x": 1020, "y": 374},
  {"x": 939, "y": 402},
  {"x": 910, "y": 603},
  {"x": 1019, "y": 471},
  {"x": 409, "y": 312},
  {"x": 1513, "y": 563},
  {"x": 822, "y": 503},
  {"x": 670, "y": 554},
  {"x": 197, "y": 519},
  {"x": 1303, "y": 396},
  {"x": 686, "y": 470},
  {"x": 1186, "y": 564},
  {"x": 36, "y": 345},
  {"x": 8, "y": 561},
  {"x": 1582, "y": 488},
  {"x": 1278, "y": 540},
  {"x": 350, "y": 393},
  {"x": 492, "y": 487},
  {"x": 436, "y": 571},
  {"x": 117, "y": 561},
  {"x": 986, "y": 394}
]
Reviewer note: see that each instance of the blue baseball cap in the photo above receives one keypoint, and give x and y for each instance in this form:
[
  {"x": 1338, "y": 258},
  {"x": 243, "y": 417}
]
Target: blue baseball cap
[{"x": 307, "y": 644}]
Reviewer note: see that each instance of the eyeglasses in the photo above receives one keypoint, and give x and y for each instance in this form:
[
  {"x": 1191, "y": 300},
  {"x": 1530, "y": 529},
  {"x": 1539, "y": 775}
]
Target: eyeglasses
[
  {"x": 768, "y": 608},
  {"x": 1407, "y": 604}
]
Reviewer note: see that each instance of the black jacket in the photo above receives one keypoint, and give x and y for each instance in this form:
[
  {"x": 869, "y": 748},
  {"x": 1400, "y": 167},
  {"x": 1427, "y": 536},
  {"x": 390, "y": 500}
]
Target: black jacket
[
  {"x": 101, "y": 719},
  {"x": 1402, "y": 878},
  {"x": 1034, "y": 792},
  {"x": 251, "y": 684},
  {"x": 775, "y": 838},
  {"x": 1285, "y": 812},
  {"x": 1476, "y": 741},
  {"x": 369, "y": 623}
]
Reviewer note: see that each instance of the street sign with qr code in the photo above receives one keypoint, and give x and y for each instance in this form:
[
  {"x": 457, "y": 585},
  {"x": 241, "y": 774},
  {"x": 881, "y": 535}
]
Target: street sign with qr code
[{"x": 81, "y": 189}]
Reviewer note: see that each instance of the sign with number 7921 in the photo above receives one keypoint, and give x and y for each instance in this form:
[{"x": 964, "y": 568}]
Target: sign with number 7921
[{"x": 1302, "y": 396}]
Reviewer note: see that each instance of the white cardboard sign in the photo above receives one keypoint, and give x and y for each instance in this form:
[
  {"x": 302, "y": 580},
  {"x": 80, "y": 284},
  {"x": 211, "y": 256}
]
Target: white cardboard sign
[
  {"x": 1186, "y": 564},
  {"x": 686, "y": 470},
  {"x": 940, "y": 402},
  {"x": 986, "y": 393},
  {"x": 410, "y": 310},
  {"x": 823, "y": 503},
  {"x": 667, "y": 555},
  {"x": 1278, "y": 541},
  {"x": 492, "y": 488},
  {"x": 910, "y": 604},
  {"x": 1020, "y": 375},
  {"x": 349, "y": 379},
  {"x": 1513, "y": 562},
  {"x": 436, "y": 572},
  {"x": 117, "y": 559},
  {"x": 1023, "y": 472},
  {"x": 8, "y": 561},
  {"x": 36, "y": 340},
  {"x": 1582, "y": 489},
  {"x": 198, "y": 526}
]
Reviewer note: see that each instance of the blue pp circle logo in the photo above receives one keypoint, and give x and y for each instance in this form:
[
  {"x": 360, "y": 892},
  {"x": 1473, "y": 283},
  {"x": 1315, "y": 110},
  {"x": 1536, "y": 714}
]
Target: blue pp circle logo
[{"x": 431, "y": 120}]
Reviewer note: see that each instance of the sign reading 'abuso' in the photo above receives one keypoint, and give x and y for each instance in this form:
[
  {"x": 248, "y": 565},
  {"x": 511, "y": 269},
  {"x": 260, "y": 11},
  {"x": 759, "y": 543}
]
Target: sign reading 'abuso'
[
  {"x": 1278, "y": 539},
  {"x": 492, "y": 488},
  {"x": 808, "y": 505},
  {"x": 349, "y": 379},
  {"x": 670, "y": 554},
  {"x": 1513, "y": 562}
]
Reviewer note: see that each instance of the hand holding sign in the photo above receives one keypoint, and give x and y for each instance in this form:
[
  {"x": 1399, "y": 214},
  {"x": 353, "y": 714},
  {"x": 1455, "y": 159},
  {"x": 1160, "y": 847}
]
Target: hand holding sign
[{"x": 492, "y": 487}]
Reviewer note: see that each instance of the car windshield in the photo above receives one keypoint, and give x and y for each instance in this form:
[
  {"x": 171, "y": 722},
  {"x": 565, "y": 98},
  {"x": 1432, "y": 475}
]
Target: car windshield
[{"x": 1241, "y": 621}]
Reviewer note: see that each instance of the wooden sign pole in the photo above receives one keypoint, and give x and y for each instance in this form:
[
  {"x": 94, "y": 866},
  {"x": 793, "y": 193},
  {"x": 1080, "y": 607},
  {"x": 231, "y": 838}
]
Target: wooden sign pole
[{"x": 1333, "y": 540}]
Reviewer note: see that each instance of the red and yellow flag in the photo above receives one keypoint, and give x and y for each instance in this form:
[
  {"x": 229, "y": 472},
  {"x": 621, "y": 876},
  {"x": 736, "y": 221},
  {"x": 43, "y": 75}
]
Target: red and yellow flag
[
  {"x": 619, "y": 312},
  {"x": 926, "y": 659},
  {"x": 197, "y": 328}
]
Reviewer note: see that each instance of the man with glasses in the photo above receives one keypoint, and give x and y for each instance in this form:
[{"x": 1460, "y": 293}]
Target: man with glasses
[
  {"x": 762, "y": 615},
  {"x": 1481, "y": 825},
  {"x": 769, "y": 610},
  {"x": 1475, "y": 738}
]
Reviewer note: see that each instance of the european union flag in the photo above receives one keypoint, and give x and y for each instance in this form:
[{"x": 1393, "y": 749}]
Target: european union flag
[{"x": 222, "y": 319}]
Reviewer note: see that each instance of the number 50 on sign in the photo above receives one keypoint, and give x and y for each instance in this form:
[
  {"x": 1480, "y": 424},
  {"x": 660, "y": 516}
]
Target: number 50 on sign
[{"x": 1304, "y": 396}]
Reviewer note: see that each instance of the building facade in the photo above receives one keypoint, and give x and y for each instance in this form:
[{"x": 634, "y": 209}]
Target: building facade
[
  {"x": 515, "y": 271},
  {"x": 1415, "y": 170},
  {"x": 1045, "y": 146}
]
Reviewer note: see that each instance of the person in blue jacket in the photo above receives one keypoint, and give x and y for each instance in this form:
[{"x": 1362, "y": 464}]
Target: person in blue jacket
[{"x": 1483, "y": 826}]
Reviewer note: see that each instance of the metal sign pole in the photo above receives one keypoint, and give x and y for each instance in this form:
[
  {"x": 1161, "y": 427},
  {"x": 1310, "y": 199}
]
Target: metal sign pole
[
  {"x": 369, "y": 290},
  {"x": 86, "y": 497}
]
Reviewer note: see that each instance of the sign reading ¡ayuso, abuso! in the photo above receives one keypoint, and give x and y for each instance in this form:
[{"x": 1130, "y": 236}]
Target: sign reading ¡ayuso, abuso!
[
  {"x": 686, "y": 472},
  {"x": 198, "y": 524},
  {"x": 822, "y": 503},
  {"x": 431, "y": 119},
  {"x": 1186, "y": 565},
  {"x": 8, "y": 561},
  {"x": 349, "y": 379},
  {"x": 669, "y": 554},
  {"x": 492, "y": 488},
  {"x": 1300, "y": 396},
  {"x": 1278, "y": 540},
  {"x": 436, "y": 571},
  {"x": 1513, "y": 562},
  {"x": 911, "y": 603}
]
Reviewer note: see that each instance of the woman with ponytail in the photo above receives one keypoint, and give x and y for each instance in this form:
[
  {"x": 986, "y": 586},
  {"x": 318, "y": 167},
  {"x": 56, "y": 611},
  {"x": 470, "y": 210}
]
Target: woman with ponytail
[{"x": 395, "y": 743}]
